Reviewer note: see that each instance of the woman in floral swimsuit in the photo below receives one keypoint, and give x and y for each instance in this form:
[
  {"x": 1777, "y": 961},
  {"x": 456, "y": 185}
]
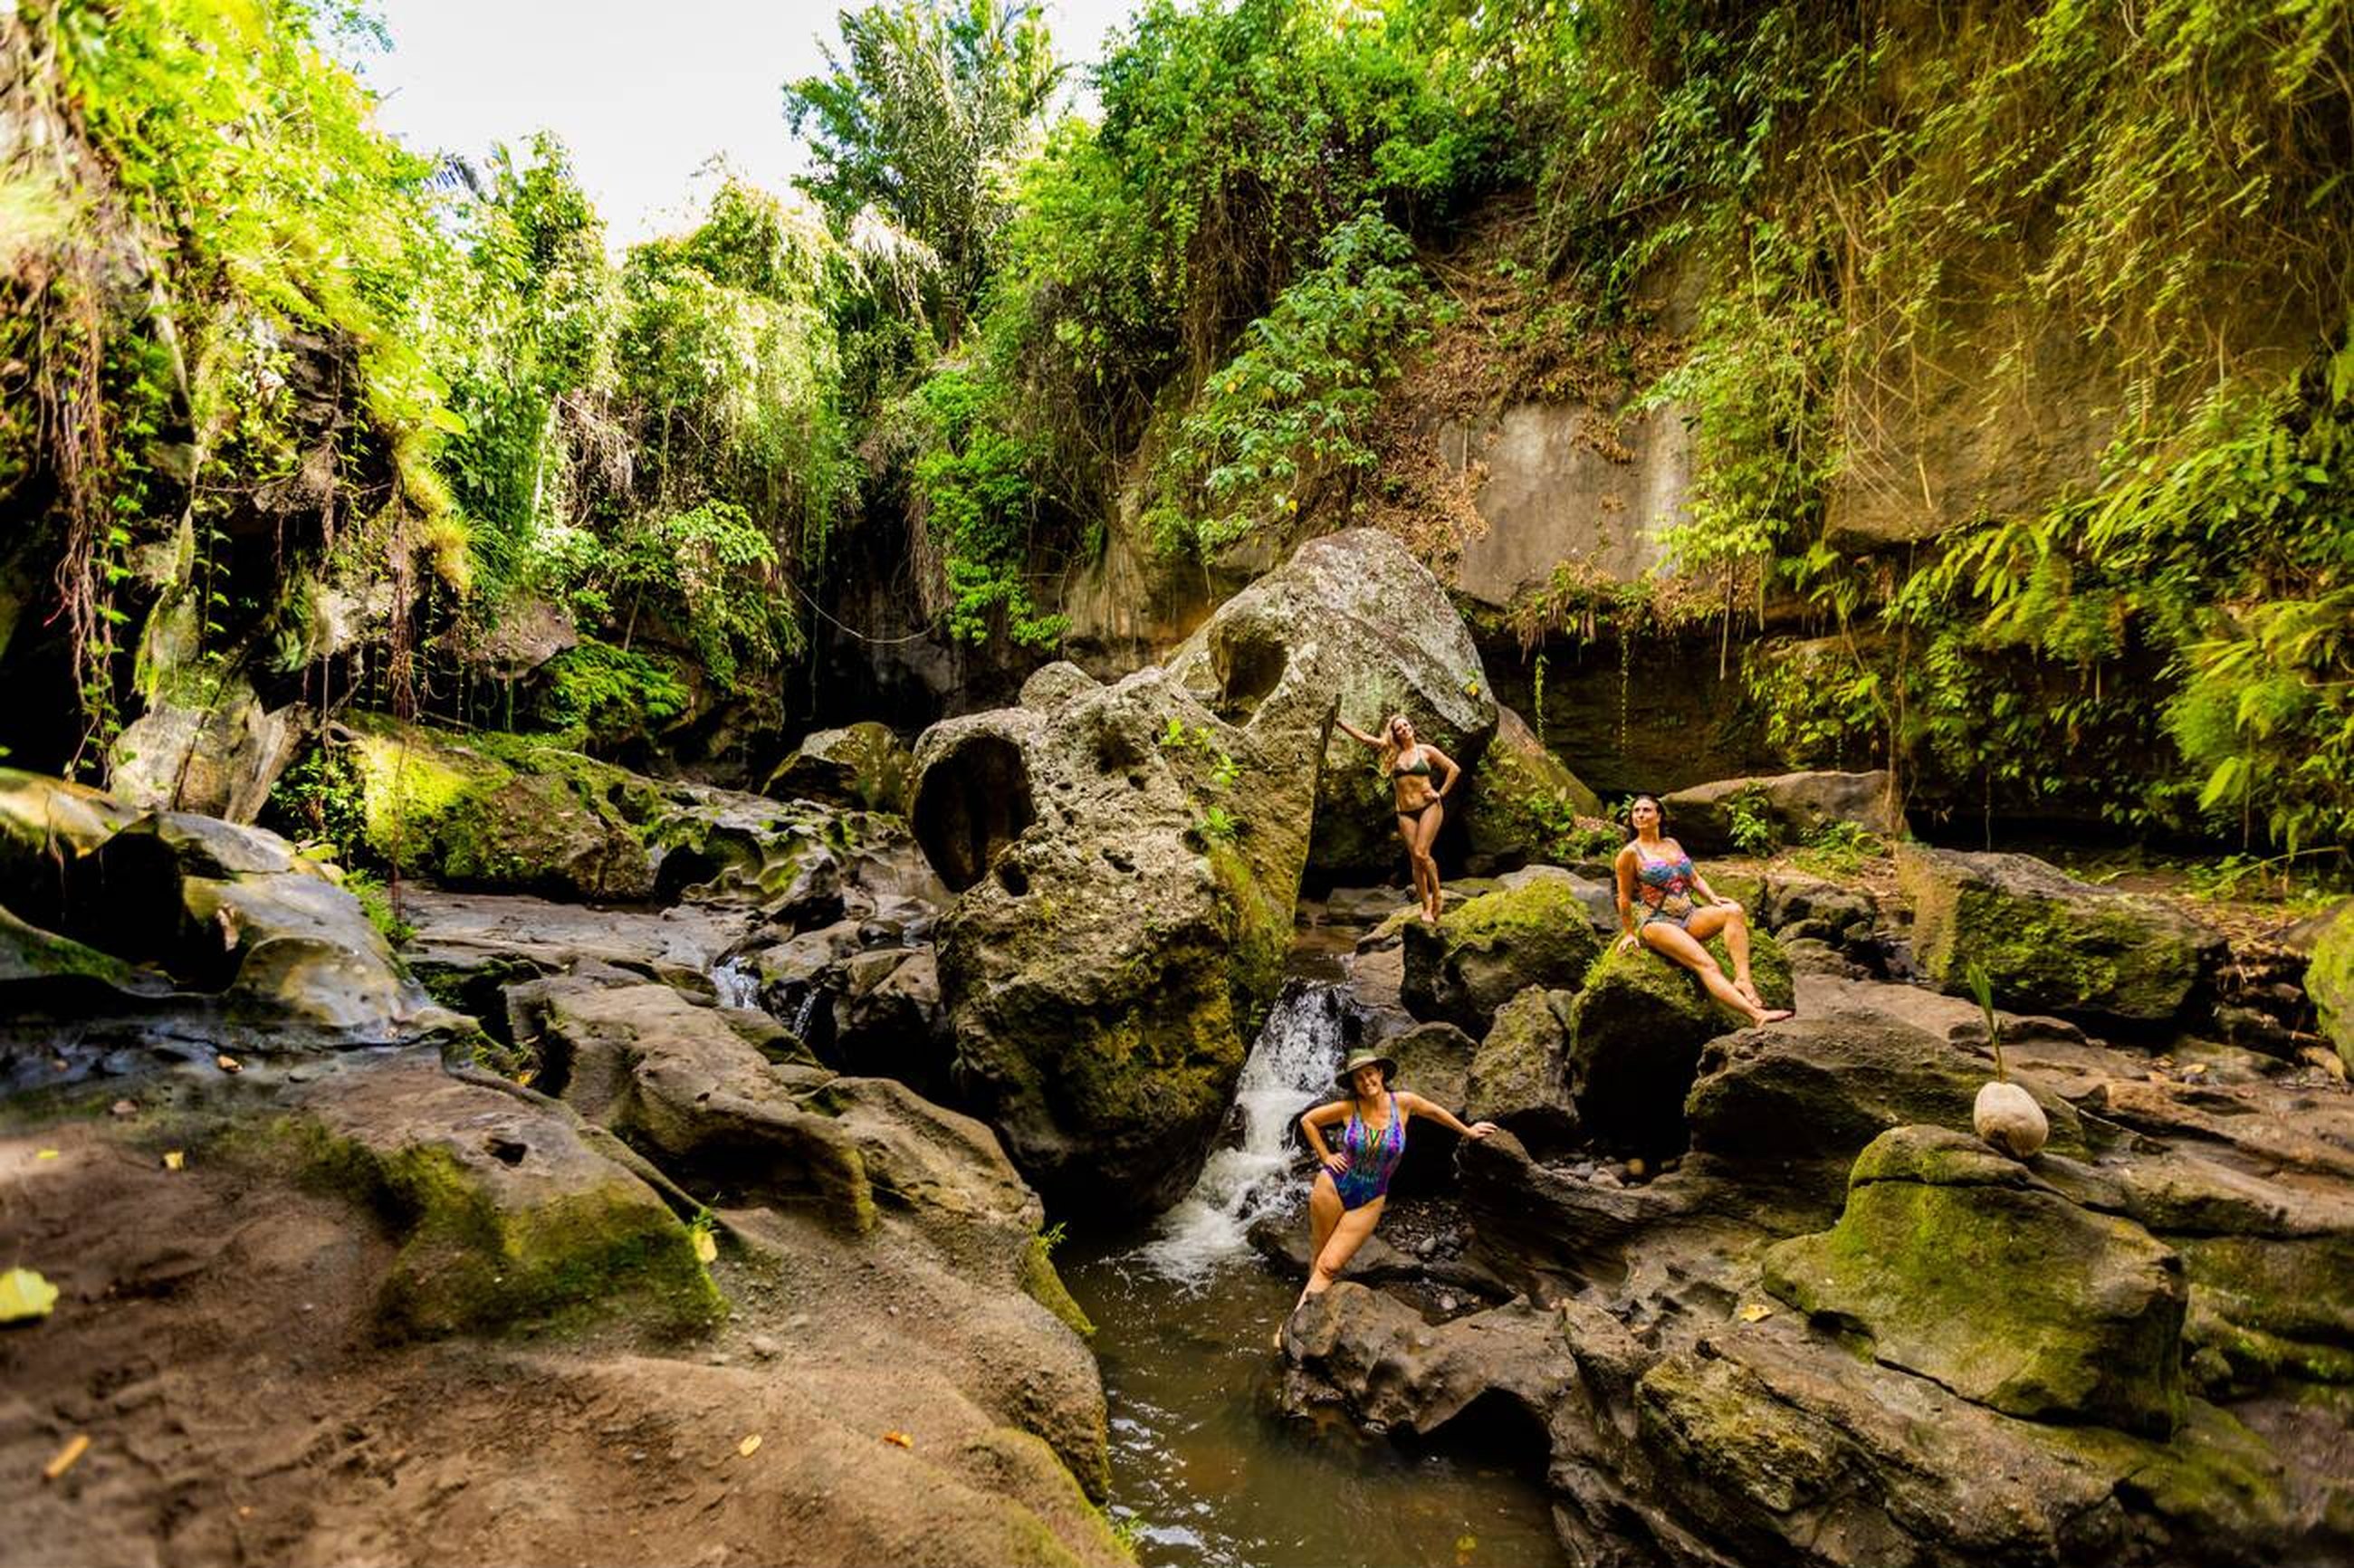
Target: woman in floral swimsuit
[{"x": 1657, "y": 883}]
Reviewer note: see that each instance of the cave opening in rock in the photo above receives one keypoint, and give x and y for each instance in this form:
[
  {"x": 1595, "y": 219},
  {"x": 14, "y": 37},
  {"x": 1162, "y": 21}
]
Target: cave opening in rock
[
  {"x": 970, "y": 805},
  {"x": 1250, "y": 662}
]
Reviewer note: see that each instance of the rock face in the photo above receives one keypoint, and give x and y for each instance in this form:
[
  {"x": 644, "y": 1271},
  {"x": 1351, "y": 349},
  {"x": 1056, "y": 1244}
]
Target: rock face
[
  {"x": 2048, "y": 942},
  {"x": 217, "y": 752},
  {"x": 1793, "y": 806},
  {"x": 863, "y": 765},
  {"x": 2330, "y": 979},
  {"x": 1521, "y": 799},
  {"x": 1958, "y": 1265},
  {"x": 1636, "y": 1031},
  {"x": 111, "y": 910},
  {"x": 1379, "y": 634},
  {"x": 1536, "y": 929}
]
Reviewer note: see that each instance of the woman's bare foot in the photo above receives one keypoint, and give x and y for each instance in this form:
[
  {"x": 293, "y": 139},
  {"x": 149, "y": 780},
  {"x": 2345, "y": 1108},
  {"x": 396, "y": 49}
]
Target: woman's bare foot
[
  {"x": 1774, "y": 1016},
  {"x": 1747, "y": 987}
]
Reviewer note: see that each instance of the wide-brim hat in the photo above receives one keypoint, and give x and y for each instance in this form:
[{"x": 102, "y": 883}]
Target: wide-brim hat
[{"x": 1366, "y": 1056}]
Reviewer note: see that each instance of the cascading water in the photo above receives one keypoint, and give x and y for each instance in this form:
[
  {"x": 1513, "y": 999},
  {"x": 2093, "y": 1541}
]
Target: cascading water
[
  {"x": 738, "y": 984},
  {"x": 1290, "y": 1065}
]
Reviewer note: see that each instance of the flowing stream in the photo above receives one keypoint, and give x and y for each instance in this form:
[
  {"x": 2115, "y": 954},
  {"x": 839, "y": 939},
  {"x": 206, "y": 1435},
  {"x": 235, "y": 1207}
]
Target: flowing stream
[{"x": 1205, "y": 1472}]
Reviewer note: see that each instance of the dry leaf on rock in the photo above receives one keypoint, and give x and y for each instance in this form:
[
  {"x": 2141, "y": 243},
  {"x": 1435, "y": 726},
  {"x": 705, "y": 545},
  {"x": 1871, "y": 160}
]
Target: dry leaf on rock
[
  {"x": 173, "y": 1159},
  {"x": 901, "y": 1438},
  {"x": 25, "y": 1295},
  {"x": 66, "y": 1457},
  {"x": 749, "y": 1446}
]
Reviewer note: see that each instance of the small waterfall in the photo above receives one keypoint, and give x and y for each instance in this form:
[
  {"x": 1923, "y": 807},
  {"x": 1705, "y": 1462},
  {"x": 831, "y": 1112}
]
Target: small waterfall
[
  {"x": 738, "y": 984},
  {"x": 805, "y": 1013},
  {"x": 1292, "y": 1064}
]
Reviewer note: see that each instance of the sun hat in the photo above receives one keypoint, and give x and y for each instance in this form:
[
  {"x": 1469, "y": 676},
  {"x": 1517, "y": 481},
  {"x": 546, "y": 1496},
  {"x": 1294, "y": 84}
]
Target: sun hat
[{"x": 1366, "y": 1056}]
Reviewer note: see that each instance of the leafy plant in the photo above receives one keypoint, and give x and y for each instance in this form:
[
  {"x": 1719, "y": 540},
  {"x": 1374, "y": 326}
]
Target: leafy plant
[
  {"x": 1983, "y": 991},
  {"x": 1218, "y": 825},
  {"x": 1750, "y": 822}
]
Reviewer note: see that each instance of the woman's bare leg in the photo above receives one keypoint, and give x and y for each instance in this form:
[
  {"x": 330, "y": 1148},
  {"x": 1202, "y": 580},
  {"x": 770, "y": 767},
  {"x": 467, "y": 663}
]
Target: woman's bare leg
[
  {"x": 1348, "y": 1236},
  {"x": 1733, "y": 921},
  {"x": 1425, "y": 832},
  {"x": 1324, "y": 1211},
  {"x": 1663, "y": 938},
  {"x": 1412, "y": 859}
]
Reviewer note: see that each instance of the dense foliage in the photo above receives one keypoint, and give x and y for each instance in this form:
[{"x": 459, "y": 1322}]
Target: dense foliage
[{"x": 290, "y": 406}]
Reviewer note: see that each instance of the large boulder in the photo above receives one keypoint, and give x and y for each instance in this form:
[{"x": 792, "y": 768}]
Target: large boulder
[
  {"x": 1790, "y": 807},
  {"x": 2048, "y": 942},
  {"x": 1636, "y": 1031},
  {"x": 1536, "y": 928},
  {"x": 2330, "y": 979},
  {"x": 205, "y": 743},
  {"x": 1516, "y": 1079},
  {"x": 1126, "y": 857},
  {"x": 1383, "y": 637},
  {"x": 501, "y": 1211},
  {"x": 1799, "y": 1100},
  {"x": 1124, "y": 867},
  {"x": 1521, "y": 803},
  {"x": 1957, "y": 1264},
  {"x": 228, "y": 919},
  {"x": 862, "y": 765},
  {"x": 504, "y": 813}
]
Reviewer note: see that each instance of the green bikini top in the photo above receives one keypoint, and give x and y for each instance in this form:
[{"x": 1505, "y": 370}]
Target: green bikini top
[{"x": 1419, "y": 767}]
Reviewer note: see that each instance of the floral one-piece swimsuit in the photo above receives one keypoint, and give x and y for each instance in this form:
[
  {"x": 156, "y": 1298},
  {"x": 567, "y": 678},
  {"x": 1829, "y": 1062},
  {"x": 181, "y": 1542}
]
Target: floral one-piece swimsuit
[{"x": 1666, "y": 886}]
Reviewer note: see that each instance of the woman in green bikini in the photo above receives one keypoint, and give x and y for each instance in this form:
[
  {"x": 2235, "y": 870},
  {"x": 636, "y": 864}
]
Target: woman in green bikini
[
  {"x": 1422, "y": 776},
  {"x": 1656, "y": 907}
]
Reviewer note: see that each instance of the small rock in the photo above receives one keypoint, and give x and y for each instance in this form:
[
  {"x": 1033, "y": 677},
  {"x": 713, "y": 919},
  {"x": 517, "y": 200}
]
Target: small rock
[
  {"x": 764, "y": 1347},
  {"x": 1605, "y": 1177},
  {"x": 1429, "y": 1247},
  {"x": 1446, "y": 1303},
  {"x": 1637, "y": 1169}
]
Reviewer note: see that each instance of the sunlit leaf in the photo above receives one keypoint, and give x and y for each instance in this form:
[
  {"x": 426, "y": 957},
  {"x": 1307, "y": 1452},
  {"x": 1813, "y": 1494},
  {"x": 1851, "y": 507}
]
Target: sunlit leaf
[
  {"x": 65, "y": 1457},
  {"x": 173, "y": 1159},
  {"x": 25, "y": 1295},
  {"x": 749, "y": 1446}
]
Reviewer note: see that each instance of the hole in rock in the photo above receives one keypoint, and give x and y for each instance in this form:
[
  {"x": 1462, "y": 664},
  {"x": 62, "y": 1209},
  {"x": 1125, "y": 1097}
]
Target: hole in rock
[
  {"x": 504, "y": 1150},
  {"x": 1013, "y": 878},
  {"x": 970, "y": 805},
  {"x": 1250, "y": 662}
]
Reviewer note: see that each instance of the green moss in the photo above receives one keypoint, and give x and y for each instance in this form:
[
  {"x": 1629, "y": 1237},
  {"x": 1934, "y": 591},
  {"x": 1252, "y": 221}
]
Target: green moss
[
  {"x": 466, "y": 1263},
  {"x": 1043, "y": 1284},
  {"x": 2329, "y": 981},
  {"x": 2215, "y": 1479}
]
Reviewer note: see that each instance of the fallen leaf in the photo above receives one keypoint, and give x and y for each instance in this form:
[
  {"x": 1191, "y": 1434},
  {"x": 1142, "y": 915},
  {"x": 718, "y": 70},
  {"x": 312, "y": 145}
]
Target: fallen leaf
[
  {"x": 705, "y": 1249},
  {"x": 901, "y": 1438},
  {"x": 25, "y": 1294},
  {"x": 173, "y": 1159},
  {"x": 45, "y": 1154},
  {"x": 124, "y": 1107},
  {"x": 228, "y": 1064},
  {"x": 749, "y": 1446},
  {"x": 1755, "y": 1310},
  {"x": 72, "y": 1451}
]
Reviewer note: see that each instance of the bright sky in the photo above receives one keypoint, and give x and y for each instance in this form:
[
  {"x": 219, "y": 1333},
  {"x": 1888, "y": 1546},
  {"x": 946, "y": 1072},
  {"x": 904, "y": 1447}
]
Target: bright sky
[{"x": 644, "y": 95}]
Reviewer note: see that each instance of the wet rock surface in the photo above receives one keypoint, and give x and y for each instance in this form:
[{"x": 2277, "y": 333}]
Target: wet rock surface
[{"x": 1834, "y": 1326}]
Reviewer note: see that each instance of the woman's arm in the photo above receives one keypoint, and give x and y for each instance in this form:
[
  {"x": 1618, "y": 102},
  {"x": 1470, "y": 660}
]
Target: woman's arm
[
  {"x": 1416, "y": 1106},
  {"x": 1625, "y": 866},
  {"x": 1352, "y": 732},
  {"x": 1311, "y": 1127},
  {"x": 1439, "y": 759},
  {"x": 1709, "y": 894}
]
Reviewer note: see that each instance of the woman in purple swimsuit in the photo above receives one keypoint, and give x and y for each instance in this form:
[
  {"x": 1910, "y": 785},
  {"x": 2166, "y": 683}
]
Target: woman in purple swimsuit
[
  {"x": 1657, "y": 881},
  {"x": 1351, "y": 1190}
]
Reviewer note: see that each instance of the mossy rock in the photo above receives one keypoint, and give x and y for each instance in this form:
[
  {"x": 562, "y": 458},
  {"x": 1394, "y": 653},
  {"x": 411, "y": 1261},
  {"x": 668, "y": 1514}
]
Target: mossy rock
[
  {"x": 863, "y": 765},
  {"x": 2329, "y": 981},
  {"x": 1636, "y": 1031},
  {"x": 1043, "y": 1285},
  {"x": 1516, "y": 1077},
  {"x": 504, "y": 1215},
  {"x": 1521, "y": 803},
  {"x": 1534, "y": 929},
  {"x": 1959, "y": 1266},
  {"x": 2049, "y": 943},
  {"x": 504, "y": 813}
]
